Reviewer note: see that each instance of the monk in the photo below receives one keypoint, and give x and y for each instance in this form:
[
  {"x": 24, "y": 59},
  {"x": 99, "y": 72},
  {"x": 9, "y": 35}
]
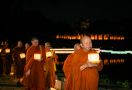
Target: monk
[
  {"x": 50, "y": 66},
  {"x": 34, "y": 78},
  {"x": 67, "y": 64},
  {"x": 18, "y": 62},
  {"x": 83, "y": 74}
]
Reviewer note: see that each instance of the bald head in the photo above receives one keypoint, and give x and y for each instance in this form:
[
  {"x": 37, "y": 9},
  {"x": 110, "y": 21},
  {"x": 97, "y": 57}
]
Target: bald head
[
  {"x": 86, "y": 42},
  {"x": 77, "y": 46}
]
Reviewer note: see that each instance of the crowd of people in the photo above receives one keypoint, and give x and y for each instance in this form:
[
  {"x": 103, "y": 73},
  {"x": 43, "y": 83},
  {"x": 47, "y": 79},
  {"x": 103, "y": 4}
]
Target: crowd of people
[{"x": 35, "y": 65}]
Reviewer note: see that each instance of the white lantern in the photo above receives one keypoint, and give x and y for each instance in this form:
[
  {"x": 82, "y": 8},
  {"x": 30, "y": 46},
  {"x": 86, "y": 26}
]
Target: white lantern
[
  {"x": 93, "y": 58},
  {"x": 7, "y": 50},
  {"x": 53, "y": 89},
  {"x": 37, "y": 57},
  {"x": 49, "y": 54},
  {"x": 22, "y": 55},
  {"x": 0, "y": 50}
]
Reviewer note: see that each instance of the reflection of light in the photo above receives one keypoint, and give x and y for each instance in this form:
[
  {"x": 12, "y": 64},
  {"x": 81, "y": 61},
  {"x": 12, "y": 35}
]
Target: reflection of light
[
  {"x": 68, "y": 50},
  {"x": 113, "y": 61},
  {"x": 92, "y": 36},
  {"x": 71, "y": 50}
]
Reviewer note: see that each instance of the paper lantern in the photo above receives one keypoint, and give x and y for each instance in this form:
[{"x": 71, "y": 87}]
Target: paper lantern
[
  {"x": 93, "y": 58},
  {"x": 49, "y": 54},
  {"x": 53, "y": 89},
  {"x": 0, "y": 50},
  {"x": 7, "y": 50},
  {"x": 22, "y": 55},
  {"x": 37, "y": 57}
]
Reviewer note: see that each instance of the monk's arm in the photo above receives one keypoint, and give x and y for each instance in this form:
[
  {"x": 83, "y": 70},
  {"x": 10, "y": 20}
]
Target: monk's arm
[{"x": 100, "y": 66}]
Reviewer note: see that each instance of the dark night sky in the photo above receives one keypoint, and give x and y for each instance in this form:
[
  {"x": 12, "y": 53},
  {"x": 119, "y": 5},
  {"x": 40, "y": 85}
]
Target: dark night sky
[{"x": 51, "y": 16}]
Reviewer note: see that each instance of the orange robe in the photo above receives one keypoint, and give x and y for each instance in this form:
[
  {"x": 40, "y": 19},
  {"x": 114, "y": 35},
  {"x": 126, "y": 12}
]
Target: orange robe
[
  {"x": 35, "y": 80},
  {"x": 86, "y": 79},
  {"x": 50, "y": 70},
  {"x": 67, "y": 70}
]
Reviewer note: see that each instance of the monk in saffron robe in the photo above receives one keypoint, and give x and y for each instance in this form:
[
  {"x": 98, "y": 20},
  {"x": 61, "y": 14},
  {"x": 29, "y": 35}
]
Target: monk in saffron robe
[
  {"x": 50, "y": 66},
  {"x": 34, "y": 78},
  {"x": 67, "y": 63},
  {"x": 83, "y": 74}
]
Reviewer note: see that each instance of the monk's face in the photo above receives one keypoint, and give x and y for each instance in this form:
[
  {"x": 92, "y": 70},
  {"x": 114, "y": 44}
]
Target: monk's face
[
  {"x": 86, "y": 43},
  {"x": 35, "y": 42}
]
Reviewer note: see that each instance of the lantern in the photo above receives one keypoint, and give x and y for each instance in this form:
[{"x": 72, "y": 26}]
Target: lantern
[
  {"x": 22, "y": 55},
  {"x": 52, "y": 89},
  {"x": 93, "y": 58},
  {"x": 7, "y": 50},
  {"x": 0, "y": 50},
  {"x": 49, "y": 54},
  {"x": 37, "y": 57}
]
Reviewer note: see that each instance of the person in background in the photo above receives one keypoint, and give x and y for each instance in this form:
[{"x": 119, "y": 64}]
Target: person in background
[
  {"x": 6, "y": 58},
  {"x": 51, "y": 60},
  {"x": 34, "y": 76},
  {"x": 18, "y": 61},
  {"x": 67, "y": 63}
]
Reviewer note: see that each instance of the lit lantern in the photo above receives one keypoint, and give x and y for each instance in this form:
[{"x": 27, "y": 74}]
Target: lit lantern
[
  {"x": 49, "y": 54},
  {"x": 0, "y": 50},
  {"x": 93, "y": 58},
  {"x": 22, "y": 55},
  {"x": 52, "y": 89},
  {"x": 37, "y": 57},
  {"x": 7, "y": 50}
]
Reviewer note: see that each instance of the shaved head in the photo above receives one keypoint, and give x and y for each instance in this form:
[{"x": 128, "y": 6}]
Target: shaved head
[{"x": 86, "y": 42}]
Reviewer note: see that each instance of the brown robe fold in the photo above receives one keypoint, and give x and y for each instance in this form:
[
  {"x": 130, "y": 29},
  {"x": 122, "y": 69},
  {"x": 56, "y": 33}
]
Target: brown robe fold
[{"x": 36, "y": 79}]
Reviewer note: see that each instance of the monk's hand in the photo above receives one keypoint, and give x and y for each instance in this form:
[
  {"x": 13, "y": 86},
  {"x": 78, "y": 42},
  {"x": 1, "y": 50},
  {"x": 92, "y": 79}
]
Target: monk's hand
[
  {"x": 82, "y": 67},
  {"x": 90, "y": 64},
  {"x": 28, "y": 73}
]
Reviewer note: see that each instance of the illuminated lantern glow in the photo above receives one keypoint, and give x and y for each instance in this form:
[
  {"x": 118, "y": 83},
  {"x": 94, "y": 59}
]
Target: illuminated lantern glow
[
  {"x": 37, "y": 57},
  {"x": 7, "y": 50},
  {"x": 49, "y": 54},
  {"x": 0, "y": 50},
  {"x": 22, "y": 55},
  {"x": 93, "y": 58},
  {"x": 53, "y": 89}
]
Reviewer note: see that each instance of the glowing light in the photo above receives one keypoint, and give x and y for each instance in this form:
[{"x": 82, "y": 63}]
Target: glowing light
[
  {"x": 93, "y": 37},
  {"x": 22, "y": 55},
  {"x": 7, "y": 50},
  {"x": 0, "y": 50},
  {"x": 37, "y": 57},
  {"x": 49, "y": 54},
  {"x": 93, "y": 57}
]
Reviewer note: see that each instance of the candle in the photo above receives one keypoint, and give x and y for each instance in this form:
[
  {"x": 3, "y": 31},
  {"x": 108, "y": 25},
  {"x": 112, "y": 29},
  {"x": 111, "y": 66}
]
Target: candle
[
  {"x": 7, "y": 50},
  {"x": 37, "y": 57},
  {"x": 22, "y": 55},
  {"x": 93, "y": 57},
  {"x": 49, "y": 54}
]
